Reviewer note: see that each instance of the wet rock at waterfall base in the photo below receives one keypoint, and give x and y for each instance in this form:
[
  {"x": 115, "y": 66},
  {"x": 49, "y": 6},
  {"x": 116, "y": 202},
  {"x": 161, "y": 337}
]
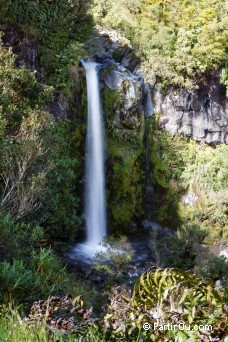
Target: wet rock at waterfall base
[{"x": 157, "y": 229}]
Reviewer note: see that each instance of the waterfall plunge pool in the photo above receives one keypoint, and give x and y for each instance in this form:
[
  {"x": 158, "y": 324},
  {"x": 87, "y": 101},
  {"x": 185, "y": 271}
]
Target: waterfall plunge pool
[{"x": 83, "y": 254}]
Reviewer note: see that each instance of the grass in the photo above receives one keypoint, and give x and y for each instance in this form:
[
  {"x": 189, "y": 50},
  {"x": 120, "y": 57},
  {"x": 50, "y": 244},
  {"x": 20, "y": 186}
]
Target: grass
[{"x": 14, "y": 329}]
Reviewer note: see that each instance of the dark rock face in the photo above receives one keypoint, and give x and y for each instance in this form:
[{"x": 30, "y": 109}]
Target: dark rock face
[
  {"x": 120, "y": 71},
  {"x": 200, "y": 114},
  {"x": 158, "y": 230},
  {"x": 24, "y": 47},
  {"x": 110, "y": 45}
]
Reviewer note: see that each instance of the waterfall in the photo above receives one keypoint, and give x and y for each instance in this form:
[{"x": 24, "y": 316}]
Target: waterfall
[
  {"x": 149, "y": 193},
  {"x": 95, "y": 207}
]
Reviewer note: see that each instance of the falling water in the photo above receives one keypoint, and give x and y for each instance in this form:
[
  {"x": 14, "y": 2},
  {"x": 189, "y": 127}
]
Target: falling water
[{"x": 95, "y": 176}]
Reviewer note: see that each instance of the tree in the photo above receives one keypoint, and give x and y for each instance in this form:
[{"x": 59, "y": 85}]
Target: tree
[
  {"x": 178, "y": 41},
  {"x": 23, "y": 170}
]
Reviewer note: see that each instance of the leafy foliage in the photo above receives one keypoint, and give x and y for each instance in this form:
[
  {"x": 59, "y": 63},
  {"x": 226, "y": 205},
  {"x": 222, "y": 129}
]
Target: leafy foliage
[
  {"x": 179, "y": 250},
  {"x": 29, "y": 185},
  {"x": 18, "y": 239},
  {"x": 61, "y": 210},
  {"x": 57, "y": 31},
  {"x": 124, "y": 177},
  {"x": 20, "y": 93},
  {"x": 30, "y": 170},
  {"x": 213, "y": 267},
  {"x": 40, "y": 176},
  {"x": 22, "y": 281},
  {"x": 162, "y": 296},
  {"x": 196, "y": 168},
  {"x": 116, "y": 255},
  {"x": 43, "y": 16},
  {"x": 177, "y": 40},
  {"x": 15, "y": 328},
  {"x": 22, "y": 166}
]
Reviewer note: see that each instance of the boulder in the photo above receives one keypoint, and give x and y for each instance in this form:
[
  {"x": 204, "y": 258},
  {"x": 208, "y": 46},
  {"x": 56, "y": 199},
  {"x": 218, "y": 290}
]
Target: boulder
[{"x": 129, "y": 90}]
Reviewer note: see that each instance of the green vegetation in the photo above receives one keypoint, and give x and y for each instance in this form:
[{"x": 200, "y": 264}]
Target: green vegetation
[
  {"x": 124, "y": 166},
  {"x": 186, "y": 251},
  {"x": 178, "y": 250},
  {"x": 41, "y": 174},
  {"x": 178, "y": 41},
  {"x": 166, "y": 296},
  {"x": 125, "y": 179},
  {"x": 23, "y": 282},
  {"x": 180, "y": 166},
  {"x": 197, "y": 169},
  {"x": 20, "y": 93},
  {"x": 34, "y": 178},
  {"x": 56, "y": 30},
  {"x": 14, "y": 328},
  {"x": 38, "y": 182},
  {"x": 116, "y": 256},
  {"x": 159, "y": 297}
]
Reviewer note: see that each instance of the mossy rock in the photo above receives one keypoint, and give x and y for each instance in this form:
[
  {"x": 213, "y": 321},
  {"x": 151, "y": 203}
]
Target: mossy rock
[{"x": 130, "y": 123}]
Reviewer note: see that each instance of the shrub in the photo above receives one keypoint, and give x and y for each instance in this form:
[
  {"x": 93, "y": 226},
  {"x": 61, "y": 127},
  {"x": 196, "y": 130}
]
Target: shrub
[
  {"x": 18, "y": 239},
  {"x": 41, "y": 275},
  {"x": 179, "y": 250},
  {"x": 164, "y": 296},
  {"x": 50, "y": 273},
  {"x": 213, "y": 267},
  {"x": 17, "y": 282},
  {"x": 116, "y": 256}
]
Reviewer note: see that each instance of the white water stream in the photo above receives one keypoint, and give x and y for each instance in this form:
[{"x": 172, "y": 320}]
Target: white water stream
[
  {"x": 95, "y": 203},
  {"x": 95, "y": 174}
]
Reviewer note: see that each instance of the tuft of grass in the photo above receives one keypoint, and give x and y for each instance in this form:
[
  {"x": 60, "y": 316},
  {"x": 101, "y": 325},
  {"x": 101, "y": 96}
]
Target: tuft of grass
[{"x": 14, "y": 329}]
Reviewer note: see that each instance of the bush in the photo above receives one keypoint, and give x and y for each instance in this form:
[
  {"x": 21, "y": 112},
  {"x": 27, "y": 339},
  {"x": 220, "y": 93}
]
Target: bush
[
  {"x": 17, "y": 282},
  {"x": 164, "y": 296},
  {"x": 178, "y": 250},
  {"x": 213, "y": 267},
  {"x": 20, "y": 93},
  {"x": 49, "y": 270},
  {"x": 174, "y": 40},
  {"x": 19, "y": 239},
  {"x": 40, "y": 276},
  {"x": 116, "y": 256}
]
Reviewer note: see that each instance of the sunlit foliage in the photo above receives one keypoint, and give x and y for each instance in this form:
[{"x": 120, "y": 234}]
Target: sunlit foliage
[{"x": 178, "y": 41}]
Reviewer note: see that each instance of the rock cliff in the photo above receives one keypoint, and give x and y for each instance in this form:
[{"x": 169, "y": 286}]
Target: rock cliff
[{"x": 200, "y": 114}]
